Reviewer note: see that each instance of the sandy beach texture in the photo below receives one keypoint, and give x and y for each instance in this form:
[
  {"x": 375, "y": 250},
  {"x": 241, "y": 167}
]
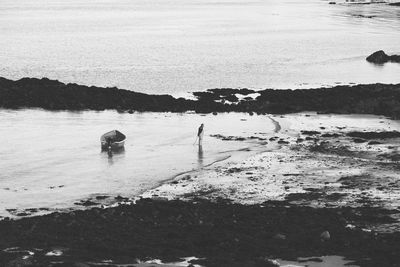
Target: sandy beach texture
[{"x": 315, "y": 160}]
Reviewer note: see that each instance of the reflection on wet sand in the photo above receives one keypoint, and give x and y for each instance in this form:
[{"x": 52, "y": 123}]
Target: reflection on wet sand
[{"x": 200, "y": 156}]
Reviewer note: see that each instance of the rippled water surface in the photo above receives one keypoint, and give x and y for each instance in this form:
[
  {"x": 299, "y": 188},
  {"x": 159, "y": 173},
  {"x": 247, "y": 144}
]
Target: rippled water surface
[
  {"x": 52, "y": 159},
  {"x": 175, "y": 46}
]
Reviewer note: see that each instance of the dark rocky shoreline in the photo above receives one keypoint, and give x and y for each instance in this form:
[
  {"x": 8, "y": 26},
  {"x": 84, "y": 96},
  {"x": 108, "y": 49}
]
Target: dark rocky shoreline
[
  {"x": 379, "y": 99},
  {"x": 222, "y": 233}
]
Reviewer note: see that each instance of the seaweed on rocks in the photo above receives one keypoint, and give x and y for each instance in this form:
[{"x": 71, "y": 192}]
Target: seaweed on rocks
[
  {"x": 304, "y": 132},
  {"x": 378, "y": 99},
  {"x": 374, "y": 135},
  {"x": 220, "y": 233},
  {"x": 54, "y": 95}
]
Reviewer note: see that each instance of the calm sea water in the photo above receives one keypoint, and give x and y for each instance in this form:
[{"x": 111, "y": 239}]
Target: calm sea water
[
  {"x": 52, "y": 159},
  {"x": 176, "y": 46}
]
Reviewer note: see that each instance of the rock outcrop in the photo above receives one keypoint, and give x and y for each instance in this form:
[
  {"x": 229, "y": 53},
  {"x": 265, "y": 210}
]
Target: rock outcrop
[
  {"x": 380, "y": 57},
  {"x": 378, "y": 99},
  {"x": 221, "y": 234}
]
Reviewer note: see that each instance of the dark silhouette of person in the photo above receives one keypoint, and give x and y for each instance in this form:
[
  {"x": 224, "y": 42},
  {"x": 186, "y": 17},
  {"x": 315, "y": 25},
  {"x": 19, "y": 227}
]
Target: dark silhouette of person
[{"x": 200, "y": 134}]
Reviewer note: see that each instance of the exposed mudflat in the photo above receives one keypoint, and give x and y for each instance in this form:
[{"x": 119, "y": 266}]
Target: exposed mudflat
[{"x": 318, "y": 160}]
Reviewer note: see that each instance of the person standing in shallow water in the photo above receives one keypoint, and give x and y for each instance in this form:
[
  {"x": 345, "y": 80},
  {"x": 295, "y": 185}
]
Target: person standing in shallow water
[{"x": 200, "y": 134}]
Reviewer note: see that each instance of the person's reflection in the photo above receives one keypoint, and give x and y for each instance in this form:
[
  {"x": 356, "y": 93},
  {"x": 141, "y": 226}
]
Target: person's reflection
[
  {"x": 110, "y": 158},
  {"x": 115, "y": 155},
  {"x": 200, "y": 156}
]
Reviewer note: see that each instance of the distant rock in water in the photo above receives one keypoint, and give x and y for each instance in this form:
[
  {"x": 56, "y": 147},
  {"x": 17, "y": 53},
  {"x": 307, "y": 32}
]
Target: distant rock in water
[
  {"x": 395, "y": 4},
  {"x": 380, "y": 57}
]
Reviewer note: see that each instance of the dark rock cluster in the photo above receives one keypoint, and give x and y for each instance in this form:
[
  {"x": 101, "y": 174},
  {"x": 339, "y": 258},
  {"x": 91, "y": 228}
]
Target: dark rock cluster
[
  {"x": 379, "y": 99},
  {"x": 380, "y": 57},
  {"x": 54, "y": 95},
  {"x": 221, "y": 233},
  {"x": 375, "y": 135}
]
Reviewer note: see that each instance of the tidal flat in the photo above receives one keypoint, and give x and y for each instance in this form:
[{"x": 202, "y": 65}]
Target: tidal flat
[{"x": 324, "y": 190}]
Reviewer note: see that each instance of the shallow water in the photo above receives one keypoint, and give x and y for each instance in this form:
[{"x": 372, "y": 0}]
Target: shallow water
[
  {"x": 51, "y": 159},
  {"x": 175, "y": 46}
]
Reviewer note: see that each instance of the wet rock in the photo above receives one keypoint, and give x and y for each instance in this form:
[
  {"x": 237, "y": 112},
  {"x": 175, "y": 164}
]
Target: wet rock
[
  {"x": 265, "y": 262},
  {"x": 380, "y": 57},
  {"x": 54, "y": 95},
  {"x": 364, "y": 16},
  {"x": 310, "y": 132},
  {"x": 311, "y": 259},
  {"x": 359, "y": 140},
  {"x": 236, "y": 138},
  {"x": 381, "y": 99},
  {"x": 325, "y": 236},
  {"x": 174, "y": 229},
  {"x": 374, "y": 143},
  {"x": 234, "y": 170},
  {"x": 159, "y": 199},
  {"x": 86, "y": 203},
  {"x": 19, "y": 263},
  {"x": 375, "y": 135},
  {"x": 308, "y": 138},
  {"x": 330, "y": 135},
  {"x": 393, "y": 156},
  {"x": 279, "y": 237},
  {"x": 101, "y": 197},
  {"x": 120, "y": 198},
  {"x": 395, "y": 4},
  {"x": 11, "y": 210}
]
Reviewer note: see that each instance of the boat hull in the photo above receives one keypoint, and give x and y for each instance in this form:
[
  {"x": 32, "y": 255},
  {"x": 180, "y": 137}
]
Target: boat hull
[
  {"x": 114, "y": 140},
  {"x": 114, "y": 146}
]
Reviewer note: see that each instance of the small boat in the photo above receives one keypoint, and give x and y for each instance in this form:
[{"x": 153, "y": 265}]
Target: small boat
[{"x": 113, "y": 139}]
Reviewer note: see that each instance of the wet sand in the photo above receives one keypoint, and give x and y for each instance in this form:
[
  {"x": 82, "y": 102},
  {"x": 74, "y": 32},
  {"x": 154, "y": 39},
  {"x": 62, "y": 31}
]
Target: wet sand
[{"x": 314, "y": 160}]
